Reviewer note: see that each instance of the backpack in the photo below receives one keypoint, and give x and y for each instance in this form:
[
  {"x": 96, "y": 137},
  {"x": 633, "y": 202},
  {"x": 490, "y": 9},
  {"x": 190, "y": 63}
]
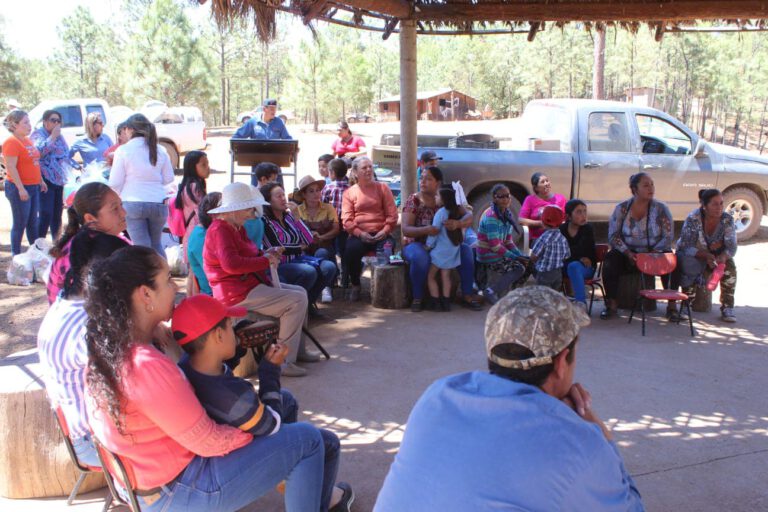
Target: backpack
[{"x": 177, "y": 224}]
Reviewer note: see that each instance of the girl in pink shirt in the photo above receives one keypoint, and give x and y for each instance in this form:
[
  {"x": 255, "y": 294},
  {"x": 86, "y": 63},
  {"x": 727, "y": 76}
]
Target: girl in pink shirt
[
  {"x": 141, "y": 407},
  {"x": 533, "y": 205}
]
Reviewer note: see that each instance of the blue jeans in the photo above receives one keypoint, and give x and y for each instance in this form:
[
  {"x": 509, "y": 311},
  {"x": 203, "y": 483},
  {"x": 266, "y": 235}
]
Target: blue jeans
[
  {"x": 418, "y": 265},
  {"x": 24, "y": 214},
  {"x": 86, "y": 451},
  {"x": 578, "y": 273},
  {"x": 306, "y": 276},
  {"x": 51, "y": 204},
  {"x": 145, "y": 223},
  {"x": 330, "y": 444},
  {"x": 228, "y": 483}
]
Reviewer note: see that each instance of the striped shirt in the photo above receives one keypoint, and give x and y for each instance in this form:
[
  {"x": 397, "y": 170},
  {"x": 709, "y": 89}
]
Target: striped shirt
[
  {"x": 333, "y": 194},
  {"x": 495, "y": 239},
  {"x": 291, "y": 234},
  {"x": 551, "y": 250},
  {"x": 63, "y": 357},
  {"x": 233, "y": 401}
]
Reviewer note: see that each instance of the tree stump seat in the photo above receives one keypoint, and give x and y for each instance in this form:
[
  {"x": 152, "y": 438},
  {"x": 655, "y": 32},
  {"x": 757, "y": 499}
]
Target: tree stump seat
[
  {"x": 34, "y": 462},
  {"x": 390, "y": 287},
  {"x": 702, "y": 300}
]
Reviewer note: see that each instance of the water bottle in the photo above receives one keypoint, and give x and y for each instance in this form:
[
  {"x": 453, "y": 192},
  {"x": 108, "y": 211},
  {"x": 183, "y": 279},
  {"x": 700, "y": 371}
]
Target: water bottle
[
  {"x": 717, "y": 274},
  {"x": 388, "y": 249}
]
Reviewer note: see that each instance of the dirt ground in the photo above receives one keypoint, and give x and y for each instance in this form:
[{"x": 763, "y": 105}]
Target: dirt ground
[{"x": 688, "y": 413}]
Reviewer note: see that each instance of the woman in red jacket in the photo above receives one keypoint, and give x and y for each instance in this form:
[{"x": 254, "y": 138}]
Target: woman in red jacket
[{"x": 239, "y": 272}]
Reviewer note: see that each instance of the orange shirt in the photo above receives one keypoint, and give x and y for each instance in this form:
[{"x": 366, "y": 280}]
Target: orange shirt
[
  {"x": 28, "y": 159},
  {"x": 369, "y": 210}
]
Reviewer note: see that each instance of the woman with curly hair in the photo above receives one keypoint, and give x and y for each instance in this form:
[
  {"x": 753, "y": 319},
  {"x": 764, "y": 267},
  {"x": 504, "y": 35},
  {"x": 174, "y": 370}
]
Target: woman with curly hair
[{"x": 142, "y": 408}]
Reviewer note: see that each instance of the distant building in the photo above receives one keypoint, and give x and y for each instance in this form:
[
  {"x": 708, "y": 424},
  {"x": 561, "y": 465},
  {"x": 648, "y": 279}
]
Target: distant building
[
  {"x": 442, "y": 105},
  {"x": 644, "y": 96}
]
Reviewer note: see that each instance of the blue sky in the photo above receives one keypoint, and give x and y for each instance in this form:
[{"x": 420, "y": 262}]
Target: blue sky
[{"x": 30, "y": 26}]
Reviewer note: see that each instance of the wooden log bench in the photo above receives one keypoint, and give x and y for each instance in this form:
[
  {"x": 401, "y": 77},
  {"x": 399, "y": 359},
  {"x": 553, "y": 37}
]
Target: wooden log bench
[
  {"x": 390, "y": 287},
  {"x": 34, "y": 462},
  {"x": 629, "y": 286},
  {"x": 702, "y": 300}
]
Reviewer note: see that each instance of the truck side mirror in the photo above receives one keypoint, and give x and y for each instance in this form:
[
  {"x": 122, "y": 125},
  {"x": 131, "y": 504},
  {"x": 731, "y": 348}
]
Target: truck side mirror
[{"x": 700, "y": 151}]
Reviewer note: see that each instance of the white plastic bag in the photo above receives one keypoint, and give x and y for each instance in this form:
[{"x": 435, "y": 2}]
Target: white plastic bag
[
  {"x": 39, "y": 254},
  {"x": 21, "y": 272},
  {"x": 176, "y": 263}
]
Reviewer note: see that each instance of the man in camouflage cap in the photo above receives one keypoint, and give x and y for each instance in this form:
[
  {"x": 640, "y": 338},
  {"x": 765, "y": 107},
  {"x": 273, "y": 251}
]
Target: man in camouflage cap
[{"x": 522, "y": 437}]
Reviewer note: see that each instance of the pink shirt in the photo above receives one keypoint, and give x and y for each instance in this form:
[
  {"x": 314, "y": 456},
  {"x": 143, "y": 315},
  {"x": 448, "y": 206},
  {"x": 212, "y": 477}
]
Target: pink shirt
[
  {"x": 165, "y": 425},
  {"x": 351, "y": 145},
  {"x": 533, "y": 206}
]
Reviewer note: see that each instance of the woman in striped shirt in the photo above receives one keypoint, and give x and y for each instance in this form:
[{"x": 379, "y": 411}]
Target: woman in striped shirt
[{"x": 281, "y": 229}]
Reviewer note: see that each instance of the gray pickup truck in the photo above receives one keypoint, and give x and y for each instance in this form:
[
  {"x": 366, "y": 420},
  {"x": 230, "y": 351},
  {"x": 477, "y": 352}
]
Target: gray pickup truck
[{"x": 589, "y": 149}]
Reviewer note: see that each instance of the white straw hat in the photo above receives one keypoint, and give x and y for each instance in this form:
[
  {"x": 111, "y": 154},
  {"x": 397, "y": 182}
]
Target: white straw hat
[
  {"x": 256, "y": 193},
  {"x": 238, "y": 196}
]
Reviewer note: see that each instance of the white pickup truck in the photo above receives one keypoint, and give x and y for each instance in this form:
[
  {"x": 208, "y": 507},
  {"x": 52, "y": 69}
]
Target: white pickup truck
[{"x": 179, "y": 132}]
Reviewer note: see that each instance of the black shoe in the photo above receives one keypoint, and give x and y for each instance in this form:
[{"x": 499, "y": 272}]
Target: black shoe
[
  {"x": 607, "y": 313},
  {"x": 434, "y": 304},
  {"x": 417, "y": 305},
  {"x": 445, "y": 304},
  {"x": 345, "y": 503}
]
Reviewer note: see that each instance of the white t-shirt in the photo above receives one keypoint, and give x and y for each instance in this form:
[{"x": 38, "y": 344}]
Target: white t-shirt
[{"x": 134, "y": 178}]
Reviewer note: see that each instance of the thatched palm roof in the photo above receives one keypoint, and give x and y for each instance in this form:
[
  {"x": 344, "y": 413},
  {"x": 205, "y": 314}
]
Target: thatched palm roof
[{"x": 496, "y": 16}]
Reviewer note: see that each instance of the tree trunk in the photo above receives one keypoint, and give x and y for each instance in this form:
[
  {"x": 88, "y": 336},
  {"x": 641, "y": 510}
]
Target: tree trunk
[
  {"x": 746, "y": 125},
  {"x": 737, "y": 128},
  {"x": 762, "y": 121},
  {"x": 598, "y": 71}
]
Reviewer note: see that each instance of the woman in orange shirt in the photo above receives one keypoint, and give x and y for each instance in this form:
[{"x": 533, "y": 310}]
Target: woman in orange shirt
[
  {"x": 25, "y": 182},
  {"x": 369, "y": 215}
]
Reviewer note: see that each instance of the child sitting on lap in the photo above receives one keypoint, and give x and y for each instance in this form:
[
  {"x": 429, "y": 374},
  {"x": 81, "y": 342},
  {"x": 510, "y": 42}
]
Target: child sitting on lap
[
  {"x": 444, "y": 249},
  {"x": 203, "y": 328},
  {"x": 550, "y": 250}
]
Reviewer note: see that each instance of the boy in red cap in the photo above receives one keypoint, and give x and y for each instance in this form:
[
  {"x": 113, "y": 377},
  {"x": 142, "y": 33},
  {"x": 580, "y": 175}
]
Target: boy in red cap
[
  {"x": 551, "y": 249},
  {"x": 203, "y": 328}
]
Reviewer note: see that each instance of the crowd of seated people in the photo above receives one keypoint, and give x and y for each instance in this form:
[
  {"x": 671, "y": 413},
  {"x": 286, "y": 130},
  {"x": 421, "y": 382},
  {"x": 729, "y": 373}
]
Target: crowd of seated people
[{"x": 110, "y": 352}]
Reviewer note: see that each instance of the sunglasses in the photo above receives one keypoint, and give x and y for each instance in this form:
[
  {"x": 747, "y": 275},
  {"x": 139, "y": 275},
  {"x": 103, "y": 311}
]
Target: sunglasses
[
  {"x": 99, "y": 122},
  {"x": 503, "y": 196},
  {"x": 54, "y": 120}
]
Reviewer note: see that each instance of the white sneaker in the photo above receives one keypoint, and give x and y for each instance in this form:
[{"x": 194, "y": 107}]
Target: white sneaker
[
  {"x": 326, "y": 296},
  {"x": 292, "y": 370}
]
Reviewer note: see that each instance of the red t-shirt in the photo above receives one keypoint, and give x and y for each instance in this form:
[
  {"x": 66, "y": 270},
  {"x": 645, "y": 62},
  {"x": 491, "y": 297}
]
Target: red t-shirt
[
  {"x": 351, "y": 145},
  {"x": 28, "y": 159}
]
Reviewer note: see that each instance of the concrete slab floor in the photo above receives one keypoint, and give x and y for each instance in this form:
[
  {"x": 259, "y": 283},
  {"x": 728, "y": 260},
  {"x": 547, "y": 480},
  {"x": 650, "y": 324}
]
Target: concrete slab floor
[{"x": 690, "y": 414}]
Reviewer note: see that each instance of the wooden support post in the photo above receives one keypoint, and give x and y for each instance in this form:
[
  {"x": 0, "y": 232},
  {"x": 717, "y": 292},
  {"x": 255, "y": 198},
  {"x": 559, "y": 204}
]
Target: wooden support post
[
  {"x": 408, "y": 115},
  {"x": 598, "y": 70}
]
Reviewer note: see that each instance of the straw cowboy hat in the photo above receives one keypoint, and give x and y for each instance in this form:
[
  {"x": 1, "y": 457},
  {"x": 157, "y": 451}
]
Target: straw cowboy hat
[
  {"x": 239, "y": 196},
  {"x": 304, "y": 184}
]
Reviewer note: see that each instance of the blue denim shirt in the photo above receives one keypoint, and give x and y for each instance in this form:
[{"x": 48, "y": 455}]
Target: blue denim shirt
[
  {"x": 54, "y": 157},
  {"x": 256, "y": 128},
  {"x": 90, "y": 151},
  {"x": 476, "y": 441}
]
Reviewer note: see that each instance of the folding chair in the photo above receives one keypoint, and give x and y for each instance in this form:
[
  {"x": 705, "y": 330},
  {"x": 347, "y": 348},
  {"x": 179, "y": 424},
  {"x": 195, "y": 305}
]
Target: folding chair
[
  {"x": 658, "y": 264},
  {"x": 83, "y": 469},
  {"x": 597, "y": 280},
  {"x": 116, "y": 472}
]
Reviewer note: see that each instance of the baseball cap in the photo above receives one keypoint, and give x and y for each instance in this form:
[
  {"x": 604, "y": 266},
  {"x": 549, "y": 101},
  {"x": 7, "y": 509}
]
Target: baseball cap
[
  {"x": 197, "y": 315},
  {"x": 552, "y": 216},
  {"x": 537, "y": 318},
  {"x": 270, "y": 102},
  {"x": 429, "y": 155}
]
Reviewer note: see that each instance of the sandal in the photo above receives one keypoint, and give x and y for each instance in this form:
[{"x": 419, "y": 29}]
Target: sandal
[{"x": 673, "y": 315}]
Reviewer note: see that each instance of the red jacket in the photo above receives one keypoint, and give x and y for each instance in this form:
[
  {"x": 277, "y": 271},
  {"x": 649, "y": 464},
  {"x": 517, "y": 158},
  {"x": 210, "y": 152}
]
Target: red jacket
[{"x": 230, "y": 260}]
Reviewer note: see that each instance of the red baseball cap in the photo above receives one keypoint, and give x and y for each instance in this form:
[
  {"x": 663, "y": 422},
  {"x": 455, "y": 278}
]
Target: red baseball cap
[
  {"x": 552, "y": 216},
  {"x": 197, "y": 315}
]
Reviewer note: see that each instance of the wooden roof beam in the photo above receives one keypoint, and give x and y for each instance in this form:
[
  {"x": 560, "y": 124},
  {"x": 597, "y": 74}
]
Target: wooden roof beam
[
  {"x": 396, "y": 8},
  {"x": 315, "y": 10},
  {"x": 594, "y": 11}
]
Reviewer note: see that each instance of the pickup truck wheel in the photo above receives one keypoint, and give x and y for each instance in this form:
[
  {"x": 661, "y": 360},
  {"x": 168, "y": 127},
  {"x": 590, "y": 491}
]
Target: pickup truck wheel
[
  {"x": 746, "y": 209},
  {"x": 171, "y": 153},
  {"x": 482, "y": 202}
]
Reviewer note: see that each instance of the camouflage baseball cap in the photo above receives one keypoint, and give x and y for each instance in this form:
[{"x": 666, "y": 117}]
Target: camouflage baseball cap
[{"x": 537, "y": 318}]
